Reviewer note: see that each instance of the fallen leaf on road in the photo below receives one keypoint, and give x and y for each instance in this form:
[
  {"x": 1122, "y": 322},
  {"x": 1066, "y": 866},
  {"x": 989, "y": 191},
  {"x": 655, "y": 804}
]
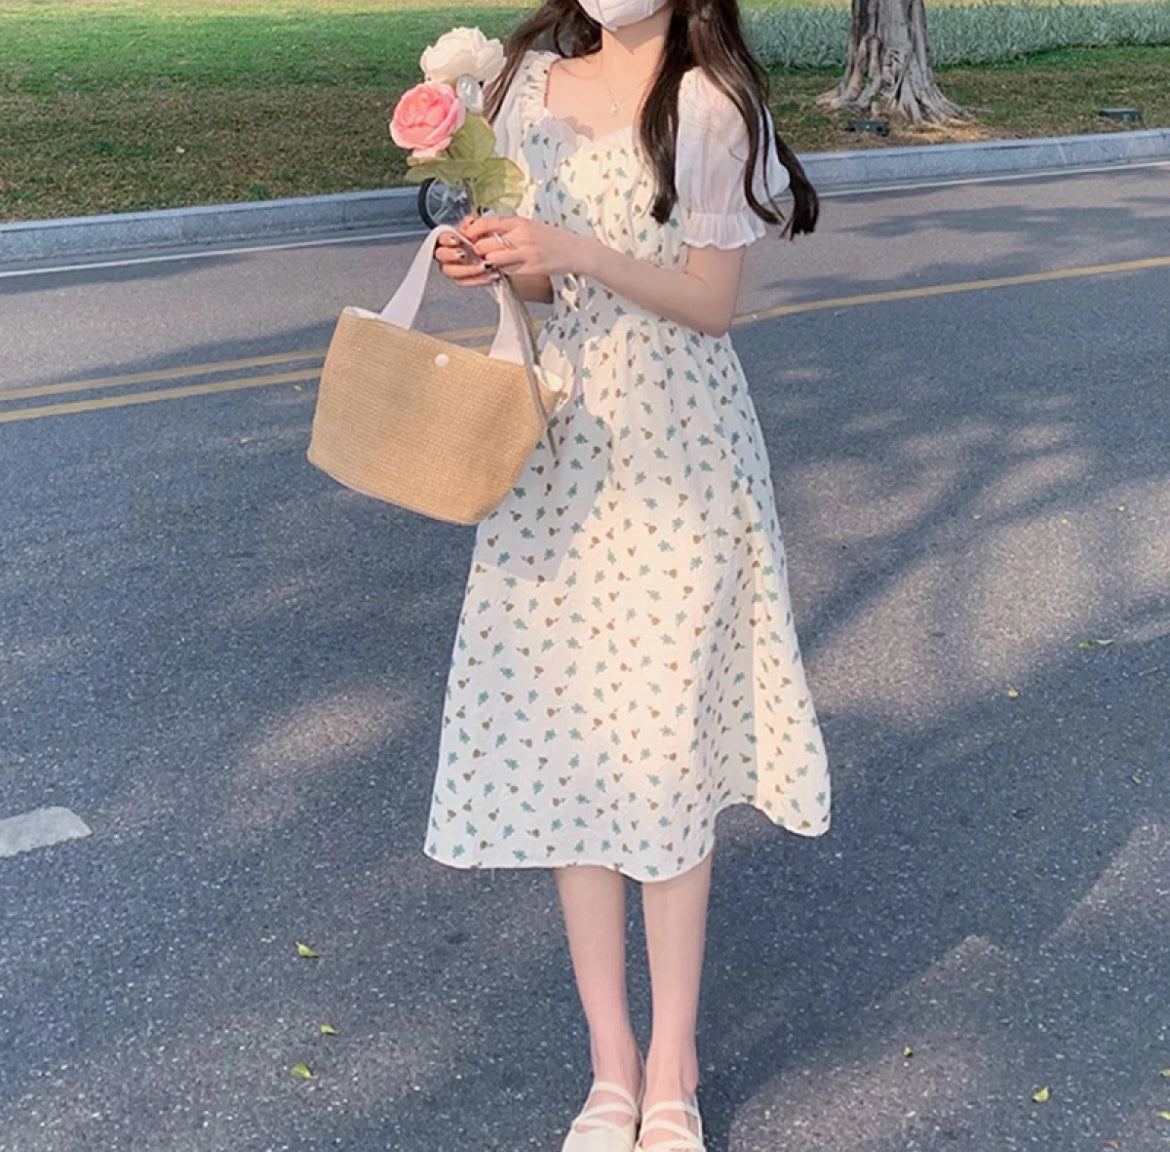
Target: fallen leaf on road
[
  {"x": 1013, "y": 693},
  {"x": 328, "y": 1029},
  {"x": 306, "y": 951},
  {"x": 1041, "y": 1096},
  {"x": 301, "y": 1072}
]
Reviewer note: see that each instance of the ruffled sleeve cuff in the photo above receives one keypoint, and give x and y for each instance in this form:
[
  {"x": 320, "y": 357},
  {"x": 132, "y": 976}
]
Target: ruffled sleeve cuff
[{"x": 723, "y": 229}]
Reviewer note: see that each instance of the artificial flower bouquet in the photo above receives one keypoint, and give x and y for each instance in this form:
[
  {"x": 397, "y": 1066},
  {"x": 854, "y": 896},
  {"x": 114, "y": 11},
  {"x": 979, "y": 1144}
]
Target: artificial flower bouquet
[{"x": 441, "y": 122}]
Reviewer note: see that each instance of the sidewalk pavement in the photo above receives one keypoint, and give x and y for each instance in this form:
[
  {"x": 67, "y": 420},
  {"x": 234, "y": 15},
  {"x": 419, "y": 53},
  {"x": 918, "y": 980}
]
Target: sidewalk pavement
[{"x": 396, "y": 208}]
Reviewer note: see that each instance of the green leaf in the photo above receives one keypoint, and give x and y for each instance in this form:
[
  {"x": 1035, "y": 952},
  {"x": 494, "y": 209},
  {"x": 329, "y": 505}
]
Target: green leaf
[
  {"x": 454, "y": 172},
  {"x": 328, "y": 1030},
  {"x": 306, "y": 951},
  {"x": 513, "y": 186},
  {"x": 494, "y": 182},
  {"x": 486, "y": 188},
  {"x": 301, "y": 1072},
  {"x": 474, "y": 141},
  {"x": 499, "y": 185},
  {"x": 417, "y": 173}
]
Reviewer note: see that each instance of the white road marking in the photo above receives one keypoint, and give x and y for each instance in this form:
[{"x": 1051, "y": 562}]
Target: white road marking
[
  {"x": 205, "y": 254},
  {"x": 39, "y": 828},
  {"x": 403, "y": 234}
]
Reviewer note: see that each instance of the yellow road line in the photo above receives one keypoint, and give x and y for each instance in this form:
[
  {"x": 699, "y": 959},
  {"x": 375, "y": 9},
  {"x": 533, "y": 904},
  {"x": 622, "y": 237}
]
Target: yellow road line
[
  {"x": 104, "y": 382},
  {"x": 160, "y": 374},
  {"x": 157, "y": 394},
  {"x": 468, "y": 333},
  {"x": 945, "y": 289}
]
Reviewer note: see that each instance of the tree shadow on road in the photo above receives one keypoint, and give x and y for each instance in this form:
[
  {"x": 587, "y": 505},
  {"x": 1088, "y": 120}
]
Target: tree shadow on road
[
  {"x": 234, "y": 669},
  {"x": 895, "y": 240}
]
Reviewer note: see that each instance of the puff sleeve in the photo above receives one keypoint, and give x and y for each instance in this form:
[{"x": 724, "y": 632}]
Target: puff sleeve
[
  {"x": 711, "y": 154},
  {"x": 508, "y": 125}
]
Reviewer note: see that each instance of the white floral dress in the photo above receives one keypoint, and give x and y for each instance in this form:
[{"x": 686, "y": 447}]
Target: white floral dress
[{"x": 626, "y": 663}]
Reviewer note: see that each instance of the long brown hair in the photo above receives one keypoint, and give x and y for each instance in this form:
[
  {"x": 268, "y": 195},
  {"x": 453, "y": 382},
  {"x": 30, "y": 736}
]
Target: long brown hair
[{"x": 703, "y": 33}]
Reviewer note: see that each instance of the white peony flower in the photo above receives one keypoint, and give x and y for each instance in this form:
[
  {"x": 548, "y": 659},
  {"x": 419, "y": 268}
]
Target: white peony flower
[{"x": 463, "y": 52}]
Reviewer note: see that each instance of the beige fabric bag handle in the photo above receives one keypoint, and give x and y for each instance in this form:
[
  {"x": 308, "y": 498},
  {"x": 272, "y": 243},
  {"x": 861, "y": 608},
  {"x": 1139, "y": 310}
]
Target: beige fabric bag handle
[{"x": 513, "y": 341}]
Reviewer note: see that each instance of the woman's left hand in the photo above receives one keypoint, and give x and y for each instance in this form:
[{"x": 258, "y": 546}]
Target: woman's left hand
[{"x": 524, "y": 247}]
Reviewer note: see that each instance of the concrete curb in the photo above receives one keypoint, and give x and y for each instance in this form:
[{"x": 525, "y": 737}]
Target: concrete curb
[
  {"x": 983, "y": 158},
  {"x": 396, "y": 207},
  {"x": 208, "y": 224}
]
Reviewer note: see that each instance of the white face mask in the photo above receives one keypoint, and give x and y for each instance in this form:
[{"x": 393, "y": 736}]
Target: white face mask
[{"x": 614, "y": 14}]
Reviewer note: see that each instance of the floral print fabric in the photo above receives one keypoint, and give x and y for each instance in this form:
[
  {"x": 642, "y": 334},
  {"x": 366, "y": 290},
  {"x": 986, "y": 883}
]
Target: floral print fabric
[{"x": 626, "y": 664}]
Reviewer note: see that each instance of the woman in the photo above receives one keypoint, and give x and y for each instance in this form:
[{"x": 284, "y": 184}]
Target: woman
[{"x": 626, "y": 665}]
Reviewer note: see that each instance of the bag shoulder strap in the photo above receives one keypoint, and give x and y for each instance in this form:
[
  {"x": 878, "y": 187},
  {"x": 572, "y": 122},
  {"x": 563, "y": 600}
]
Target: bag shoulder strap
[{"x": 522, "y": 323}]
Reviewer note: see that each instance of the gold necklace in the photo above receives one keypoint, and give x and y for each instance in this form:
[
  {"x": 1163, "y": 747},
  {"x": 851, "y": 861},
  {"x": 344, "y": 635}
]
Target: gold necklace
[{"x": 614, "y": 102}]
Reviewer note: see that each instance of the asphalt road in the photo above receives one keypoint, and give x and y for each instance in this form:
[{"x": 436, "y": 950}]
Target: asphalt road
[{"x": 231, "y": 670}]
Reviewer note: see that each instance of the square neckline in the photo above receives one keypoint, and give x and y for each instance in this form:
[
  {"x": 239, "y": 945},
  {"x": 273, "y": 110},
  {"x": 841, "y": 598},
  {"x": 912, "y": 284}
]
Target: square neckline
[{"x": 542, "y": 100}]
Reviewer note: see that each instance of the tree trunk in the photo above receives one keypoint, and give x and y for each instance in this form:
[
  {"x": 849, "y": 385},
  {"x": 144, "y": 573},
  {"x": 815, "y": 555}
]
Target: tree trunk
[{"x": 889, "y": 64}]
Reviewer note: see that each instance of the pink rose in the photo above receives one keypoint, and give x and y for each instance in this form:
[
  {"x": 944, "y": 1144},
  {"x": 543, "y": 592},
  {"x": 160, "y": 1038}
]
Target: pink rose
[{"x": 426, "y": 118}]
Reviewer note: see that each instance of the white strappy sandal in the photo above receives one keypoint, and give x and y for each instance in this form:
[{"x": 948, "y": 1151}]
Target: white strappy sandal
[
  {"x": 604, "y": 1134},
  {"x": 684, "y": 1139}
]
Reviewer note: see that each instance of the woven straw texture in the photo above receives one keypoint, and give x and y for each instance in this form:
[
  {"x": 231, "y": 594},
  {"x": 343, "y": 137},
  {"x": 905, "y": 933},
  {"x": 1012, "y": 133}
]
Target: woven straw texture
[{"x": 422, "y": 423}]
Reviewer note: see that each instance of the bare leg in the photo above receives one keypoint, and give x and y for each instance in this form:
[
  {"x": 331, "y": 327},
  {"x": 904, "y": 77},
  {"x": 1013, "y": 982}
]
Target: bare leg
[
  {"x": 593, "y": 899},
  {"x": 675, "y": 912}
]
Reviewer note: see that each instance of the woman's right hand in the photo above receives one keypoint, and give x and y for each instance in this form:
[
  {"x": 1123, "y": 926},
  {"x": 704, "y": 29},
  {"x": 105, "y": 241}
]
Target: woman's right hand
[{"x": 460, "y": 262}]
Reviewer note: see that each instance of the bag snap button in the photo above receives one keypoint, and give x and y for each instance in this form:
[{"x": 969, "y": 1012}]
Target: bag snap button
[{"x": 442, "y": 360}]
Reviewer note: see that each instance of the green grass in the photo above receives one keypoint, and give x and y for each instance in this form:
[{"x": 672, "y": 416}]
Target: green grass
[
  {"x": 81, "y": 52},
  {"x": 1049, "y": 94},
  {"x": 988, "y": 32},
  {"x": 53, "y": 46},
  {"x": 134, "y": 104}
]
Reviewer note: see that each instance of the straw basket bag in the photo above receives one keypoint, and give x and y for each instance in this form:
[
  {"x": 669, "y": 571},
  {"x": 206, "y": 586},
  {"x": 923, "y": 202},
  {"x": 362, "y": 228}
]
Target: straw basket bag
[{"x": 426, "y": 424}]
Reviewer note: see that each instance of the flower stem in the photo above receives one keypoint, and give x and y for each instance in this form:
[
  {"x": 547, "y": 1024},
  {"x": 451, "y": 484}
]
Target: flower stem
[{"x": 469, "y": 192}]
